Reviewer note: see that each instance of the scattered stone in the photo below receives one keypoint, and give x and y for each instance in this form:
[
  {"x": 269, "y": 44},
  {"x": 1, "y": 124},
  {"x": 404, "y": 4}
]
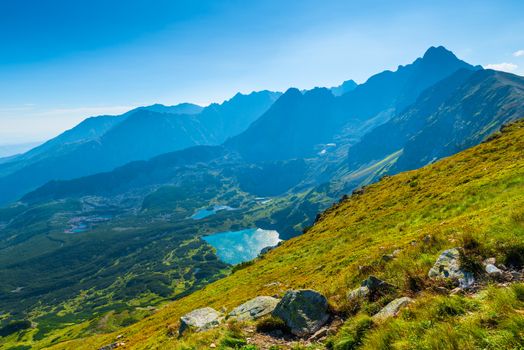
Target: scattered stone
[
  {"x": 273, "y": 284},
  {"x": 212, "y": 345},
  {"x": 493, "y": 271},
  {"x": 457, "y": 291},
  {"x": 335, "y": 325},
  {"x": 304, "y": 311},
  {"x": 413, "y": 243},
  {"x": 388, "y": 257},
  {"x": 320, "y": 334},
  {"x": 490, "y": 261},
  {"x": 441, "y": 290},
  {"x": 359, "y": 293},
  {"x": 111, "y": 346},
  {"x": 375, "y": 284},
  {"x": 368, "y": 288},
  {"x": 254, "y": 308},
  {"x": 396, "y": 252},
  {"x": 120, "y": 336},
  {"x": 393, "y": 308},
  {"x": 200, "y": 320},
  {"x": 515, "y": 275},
  {"x": 448, "y": 266}
]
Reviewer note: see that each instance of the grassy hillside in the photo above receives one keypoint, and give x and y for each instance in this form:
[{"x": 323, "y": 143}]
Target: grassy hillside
[{"x": 476, "y": 196}]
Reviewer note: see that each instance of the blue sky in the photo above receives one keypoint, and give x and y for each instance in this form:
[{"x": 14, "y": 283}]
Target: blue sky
[{"x": 64, "y": 60}]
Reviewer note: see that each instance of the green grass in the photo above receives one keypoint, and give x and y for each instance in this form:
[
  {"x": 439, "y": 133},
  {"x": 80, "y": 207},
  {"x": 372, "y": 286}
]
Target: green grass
[{"x": 493, "y": 319}]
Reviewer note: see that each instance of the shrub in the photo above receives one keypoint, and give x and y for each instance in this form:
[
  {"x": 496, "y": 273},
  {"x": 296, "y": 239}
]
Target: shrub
[
  {"x": 414, "y": 283},
  {"x": 471, "y": 255},
  {"x": 449, "y": 306},
  {"x": 242, "y": 265},
  {"x": 271, "y": 324},
  {"x": 515, "y": 256},
  {"x": 234, "y": 328},
  {"x": 518, "y": 289},
  {"x": 231, "y": 341},
  {"x": 14, "y": 326},
  {"x": 353, "y": 333}
]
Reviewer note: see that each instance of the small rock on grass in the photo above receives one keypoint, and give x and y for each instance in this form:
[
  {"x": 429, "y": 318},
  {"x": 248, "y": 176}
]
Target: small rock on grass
[
  {"x": 200, "y": 320},
  {"x": 254, "y": 308},
  {"x": 393, "y": 308},
  {"x": 448, "y": 266}
]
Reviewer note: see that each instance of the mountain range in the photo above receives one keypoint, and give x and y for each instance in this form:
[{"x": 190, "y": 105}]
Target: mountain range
[
  {"x": 105, "y": 142},
  {"x": 105, "y": 217}
]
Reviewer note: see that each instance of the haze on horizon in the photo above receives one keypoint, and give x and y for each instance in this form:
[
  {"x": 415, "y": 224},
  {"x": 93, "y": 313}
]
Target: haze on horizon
[{"x": 63, "y": 61}]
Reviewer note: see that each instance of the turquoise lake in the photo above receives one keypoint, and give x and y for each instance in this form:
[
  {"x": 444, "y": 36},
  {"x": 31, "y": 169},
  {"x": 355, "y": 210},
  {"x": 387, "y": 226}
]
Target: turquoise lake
[
  {"x": 204, "y": 213},
  {"x": 234, "y": 247}
]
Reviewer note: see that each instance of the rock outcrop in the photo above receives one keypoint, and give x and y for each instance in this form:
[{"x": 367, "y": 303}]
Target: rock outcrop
[
  {"x": 448, "y": 266},
  {"x": 200, "y": 320},
  {"x": 303, "y": 311},
  {"x": 254, "y": 308}
]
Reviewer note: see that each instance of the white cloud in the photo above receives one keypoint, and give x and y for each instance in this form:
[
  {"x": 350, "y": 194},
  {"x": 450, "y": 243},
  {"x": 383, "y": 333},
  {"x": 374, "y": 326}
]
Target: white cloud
[
  {"x": 518, "y": 53},
  {"x": 505, "y": 67}
]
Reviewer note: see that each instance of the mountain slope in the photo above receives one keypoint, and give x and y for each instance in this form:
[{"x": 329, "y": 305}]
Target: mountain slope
[
  {"x": 299, "y": 125},
  {"x": 476, "y": 195},
  {"x": 93, "y": 128},
  {"x": 103, "y": 143},
  {"x": 451, "y": 116}
]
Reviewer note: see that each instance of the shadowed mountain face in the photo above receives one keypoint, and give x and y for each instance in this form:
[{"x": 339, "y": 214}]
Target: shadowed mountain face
[
  {"x": 103, "y": 143},
  {"x": 454, "y": 114},
  {"x": 296, "y": 125}
]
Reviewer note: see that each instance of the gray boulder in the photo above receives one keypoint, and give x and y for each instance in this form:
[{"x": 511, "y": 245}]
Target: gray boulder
[
  {"x": 254, "y": 308},
  {"x": 448, "y": 266},
  {"x": 303, "y": 311},
  {"x": 393, "y": 308},
  {"x": 200, "y": 320}
]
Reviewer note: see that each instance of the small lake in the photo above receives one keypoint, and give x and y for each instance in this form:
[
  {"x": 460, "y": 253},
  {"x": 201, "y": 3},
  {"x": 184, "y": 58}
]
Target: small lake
[
  {"x": 204, "y": 213},
  {"x": 234, "y": 247}
]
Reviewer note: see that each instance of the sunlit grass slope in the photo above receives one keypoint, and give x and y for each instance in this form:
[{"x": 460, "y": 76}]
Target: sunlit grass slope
[{"x": 475, "y": 195}]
